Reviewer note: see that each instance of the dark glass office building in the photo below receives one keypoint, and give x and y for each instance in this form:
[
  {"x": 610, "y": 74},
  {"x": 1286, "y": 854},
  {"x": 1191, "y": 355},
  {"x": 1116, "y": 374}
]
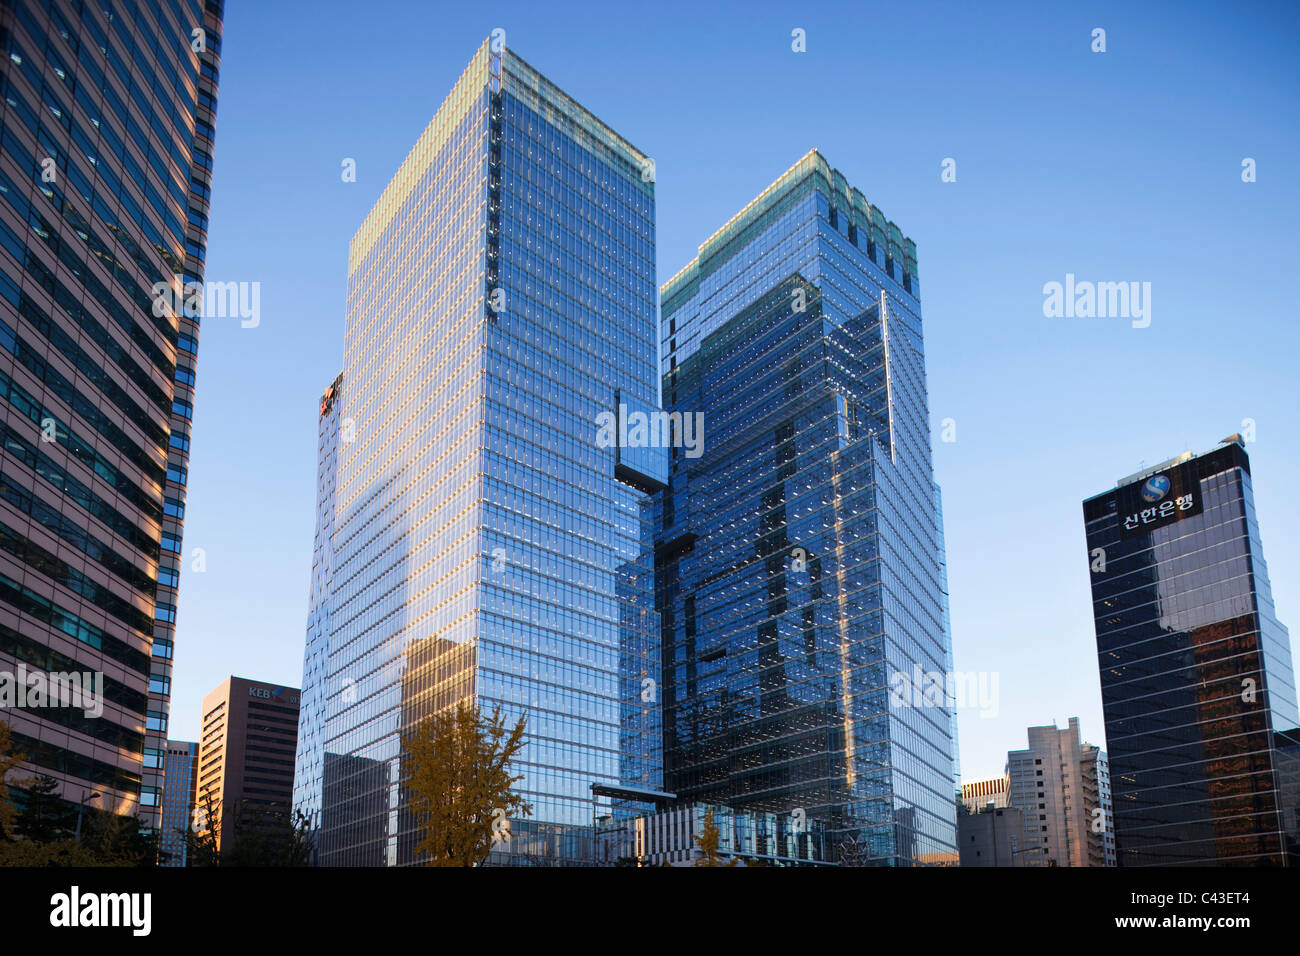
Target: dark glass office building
[
  {"x": 485, "y": 544},
  {"x": 106, "y": 133},
  {"x": 1196, "y": 679},
  {"x": 800, "y": 556}
]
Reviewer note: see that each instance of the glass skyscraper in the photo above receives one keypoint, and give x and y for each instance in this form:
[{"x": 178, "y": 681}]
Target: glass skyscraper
[
  {"x": 309, "y": 761},
  {"x": 106, "y": 133},
  {"x": 180, "y": 767},
  {"x": 1196, "y": 680},
  {"x": 800, "y": 555},
  {"x": 484, "y": 544}
]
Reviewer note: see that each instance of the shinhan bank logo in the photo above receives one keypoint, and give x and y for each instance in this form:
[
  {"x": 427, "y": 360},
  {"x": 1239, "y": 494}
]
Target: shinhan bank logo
[{"x": 1155, "y": 488}]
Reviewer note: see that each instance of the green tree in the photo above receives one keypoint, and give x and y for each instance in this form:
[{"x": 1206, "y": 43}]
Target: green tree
[
  {"x": 117, "y": 840},
  {"x": 45, "y": 817},
  {"x": 40, "y": 832},
  {"x": 57, "y": 853},
  {"x": 709, "y": 839},
  {"x": 456, "y": 771},
  {"x": 268, "y": 836},
  {"x": 10, "y": 757}
]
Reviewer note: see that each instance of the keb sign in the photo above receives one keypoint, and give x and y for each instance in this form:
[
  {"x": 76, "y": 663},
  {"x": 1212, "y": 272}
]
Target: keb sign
[{"x": 277, "y": 694}]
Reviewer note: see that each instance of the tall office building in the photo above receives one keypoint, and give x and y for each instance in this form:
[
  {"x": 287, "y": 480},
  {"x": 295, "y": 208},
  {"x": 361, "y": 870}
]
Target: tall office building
[
  {"x": 800, "y": 559},
  {"x": 180, "y": 772},
  {"x": 105, "y": 175},
  {"x": 1196, "y": 679},
  {"x": 248, "y": 739},
  {"x": 485, "y": 543},
  {"x": 1061, "y": 786}
]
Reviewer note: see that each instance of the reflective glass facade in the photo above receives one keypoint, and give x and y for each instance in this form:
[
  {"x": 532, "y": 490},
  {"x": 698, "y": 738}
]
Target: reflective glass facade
[
  {"x": 800, "y": 558},
  {"x": 309, "y": 761},
  {"x": 671, "y": 838},
  {"x": 1196, "y": 678},
  {"x": 500, "y": 296},
  {"x": 106, "y": 142}
]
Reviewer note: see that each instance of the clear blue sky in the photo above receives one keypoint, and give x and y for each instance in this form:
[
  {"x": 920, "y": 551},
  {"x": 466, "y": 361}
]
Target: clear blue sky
[{"x": 1122, "y": 166}]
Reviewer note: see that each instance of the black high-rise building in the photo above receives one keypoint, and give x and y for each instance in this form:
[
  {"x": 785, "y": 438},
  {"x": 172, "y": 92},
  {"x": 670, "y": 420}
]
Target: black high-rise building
[{"x": 1197, "y": 685}]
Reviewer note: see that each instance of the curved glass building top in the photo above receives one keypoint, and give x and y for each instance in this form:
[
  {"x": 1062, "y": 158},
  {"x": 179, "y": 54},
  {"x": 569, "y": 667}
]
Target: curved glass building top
[{"x": 712, "y": 286}]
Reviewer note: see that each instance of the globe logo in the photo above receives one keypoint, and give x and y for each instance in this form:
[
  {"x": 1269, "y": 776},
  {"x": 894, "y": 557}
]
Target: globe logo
[{"x": 1155, "y": 489}]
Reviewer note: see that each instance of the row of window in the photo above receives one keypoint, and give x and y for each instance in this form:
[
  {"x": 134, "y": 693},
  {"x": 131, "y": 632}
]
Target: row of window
[
  {"x": 25, "y": 403},
  {"x": 58, "y": 758},
  {"x": 59, "y": 385},
  {"x": 69, "y": 486},
  {"x": 42, "y": 609},
  {"x": 74, "y": 534},
  {"x": 39, "y": 656},
  {"x": 168, "y": 247},
  {"x": 60, "y": 572}
]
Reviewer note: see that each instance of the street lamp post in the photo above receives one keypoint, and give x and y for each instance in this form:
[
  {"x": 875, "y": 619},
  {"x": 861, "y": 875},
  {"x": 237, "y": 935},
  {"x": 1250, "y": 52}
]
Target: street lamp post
[{"x": 94, "y": 795}]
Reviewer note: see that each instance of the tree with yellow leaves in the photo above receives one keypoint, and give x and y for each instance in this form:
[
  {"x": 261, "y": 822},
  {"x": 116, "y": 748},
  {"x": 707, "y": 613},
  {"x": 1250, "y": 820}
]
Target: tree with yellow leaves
[
  {"x": 456, "y": 771},
  {"x": 709, "y": 839}
]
